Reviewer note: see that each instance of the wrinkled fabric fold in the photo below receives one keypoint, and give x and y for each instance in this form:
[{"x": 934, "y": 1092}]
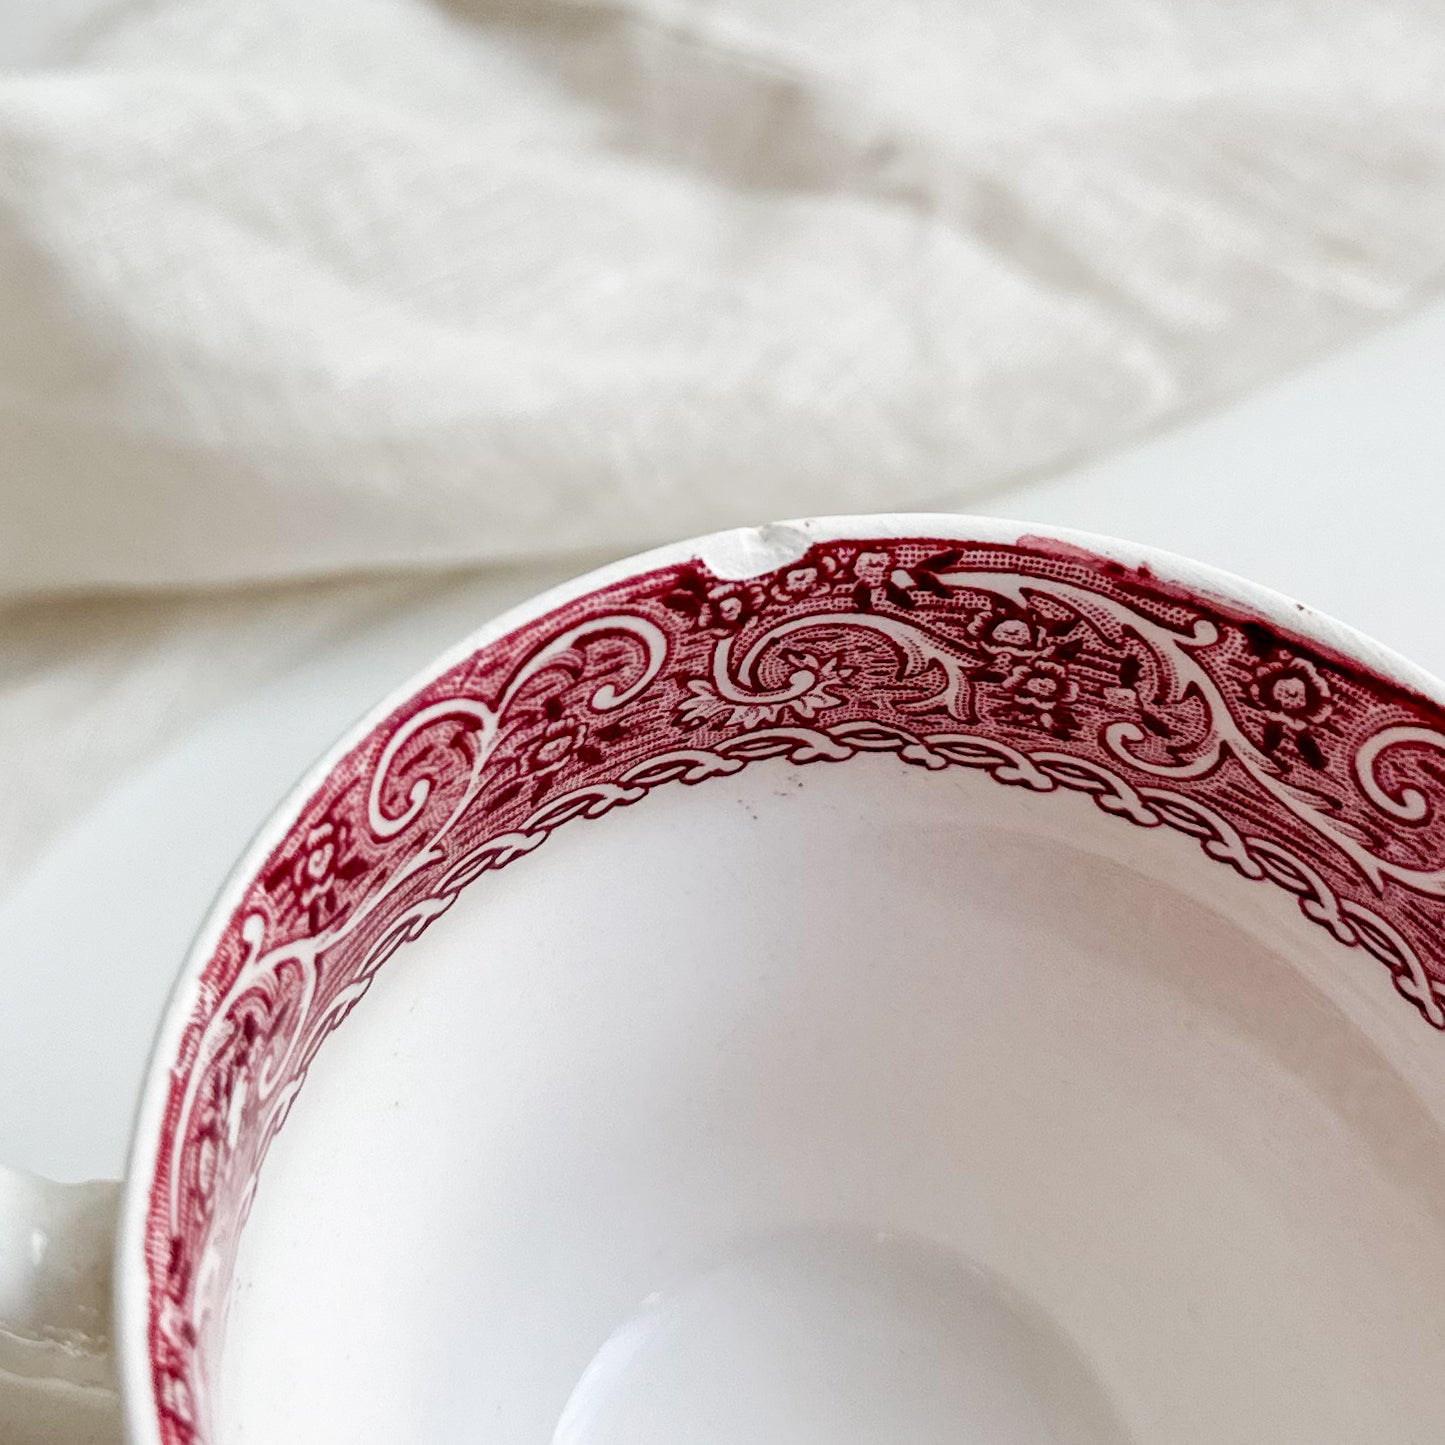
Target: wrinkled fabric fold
[{"x": 297, "y": 293}]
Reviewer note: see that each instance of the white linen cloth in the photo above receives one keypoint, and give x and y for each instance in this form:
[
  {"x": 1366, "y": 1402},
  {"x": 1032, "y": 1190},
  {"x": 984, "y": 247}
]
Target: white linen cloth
[{"x": 298, "y": 292}]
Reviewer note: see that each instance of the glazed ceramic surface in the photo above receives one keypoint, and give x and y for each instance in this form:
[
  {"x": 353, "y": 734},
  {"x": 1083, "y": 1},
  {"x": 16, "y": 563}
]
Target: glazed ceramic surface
[{"x": 850, "y": 982}]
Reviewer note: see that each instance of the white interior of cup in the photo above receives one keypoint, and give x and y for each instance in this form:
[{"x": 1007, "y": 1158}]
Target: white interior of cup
[
  {"x": 911, "y": 1095},
  {"x": 854, "y": 1002}
]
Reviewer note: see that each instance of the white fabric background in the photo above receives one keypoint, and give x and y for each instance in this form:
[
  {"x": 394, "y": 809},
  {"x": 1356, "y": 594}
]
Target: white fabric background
[{"x": 297, "y": 295}]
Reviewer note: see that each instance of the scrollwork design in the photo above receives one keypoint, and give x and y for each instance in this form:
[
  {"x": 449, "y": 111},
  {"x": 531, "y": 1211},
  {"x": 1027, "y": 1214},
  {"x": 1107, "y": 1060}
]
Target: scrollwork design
[
  {"x": 1043, "y": 676},
  {"x": 736, "y": 695},
  {"x": 286, "y": 975}
]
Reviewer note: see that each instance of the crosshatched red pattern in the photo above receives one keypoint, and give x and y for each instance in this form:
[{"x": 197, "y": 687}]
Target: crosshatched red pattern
[{"x": 1043, "y": 666}]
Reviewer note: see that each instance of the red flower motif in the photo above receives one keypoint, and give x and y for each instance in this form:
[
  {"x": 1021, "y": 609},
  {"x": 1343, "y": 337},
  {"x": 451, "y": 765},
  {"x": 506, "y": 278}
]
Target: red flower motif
[
  {"x": 872, "y": 567},
  {"x": 1039, "y": 692},
  {"x": 564, "y": 738},
  {"x": 1006, "y": 633},
  {"x": 558, "y": 742},
  {"x": 1292, "y": 692},
  {"x": 1041, "y": 685},
  {"x": 808, "y": 577},
  {"x": 723, "y": 608},
  {"x": 880, "y": 580},
  {"x": 310, "y": 879},
  {"x": 1294, "y": 697}
]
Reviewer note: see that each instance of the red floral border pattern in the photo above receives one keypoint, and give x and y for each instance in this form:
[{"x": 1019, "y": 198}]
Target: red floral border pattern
[{"x": 1043, "y": 666}]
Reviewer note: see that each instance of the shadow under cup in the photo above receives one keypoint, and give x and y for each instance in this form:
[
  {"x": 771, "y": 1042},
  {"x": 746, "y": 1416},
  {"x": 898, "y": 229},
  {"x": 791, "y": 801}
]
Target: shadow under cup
[{"x": 973, "y": 988}]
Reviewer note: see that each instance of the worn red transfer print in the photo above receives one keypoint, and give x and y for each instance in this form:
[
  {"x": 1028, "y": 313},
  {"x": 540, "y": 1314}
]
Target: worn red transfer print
[{"x": 1044, "y": 667}]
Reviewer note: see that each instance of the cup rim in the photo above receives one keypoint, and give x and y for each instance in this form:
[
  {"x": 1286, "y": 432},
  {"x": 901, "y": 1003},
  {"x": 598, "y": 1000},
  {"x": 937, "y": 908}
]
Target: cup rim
[{"x": 731, "y": 554}]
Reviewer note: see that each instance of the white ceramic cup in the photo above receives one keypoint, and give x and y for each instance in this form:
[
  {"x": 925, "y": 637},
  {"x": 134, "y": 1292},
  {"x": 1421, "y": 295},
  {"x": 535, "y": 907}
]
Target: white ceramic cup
[{"x": 988, "y": 987}]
